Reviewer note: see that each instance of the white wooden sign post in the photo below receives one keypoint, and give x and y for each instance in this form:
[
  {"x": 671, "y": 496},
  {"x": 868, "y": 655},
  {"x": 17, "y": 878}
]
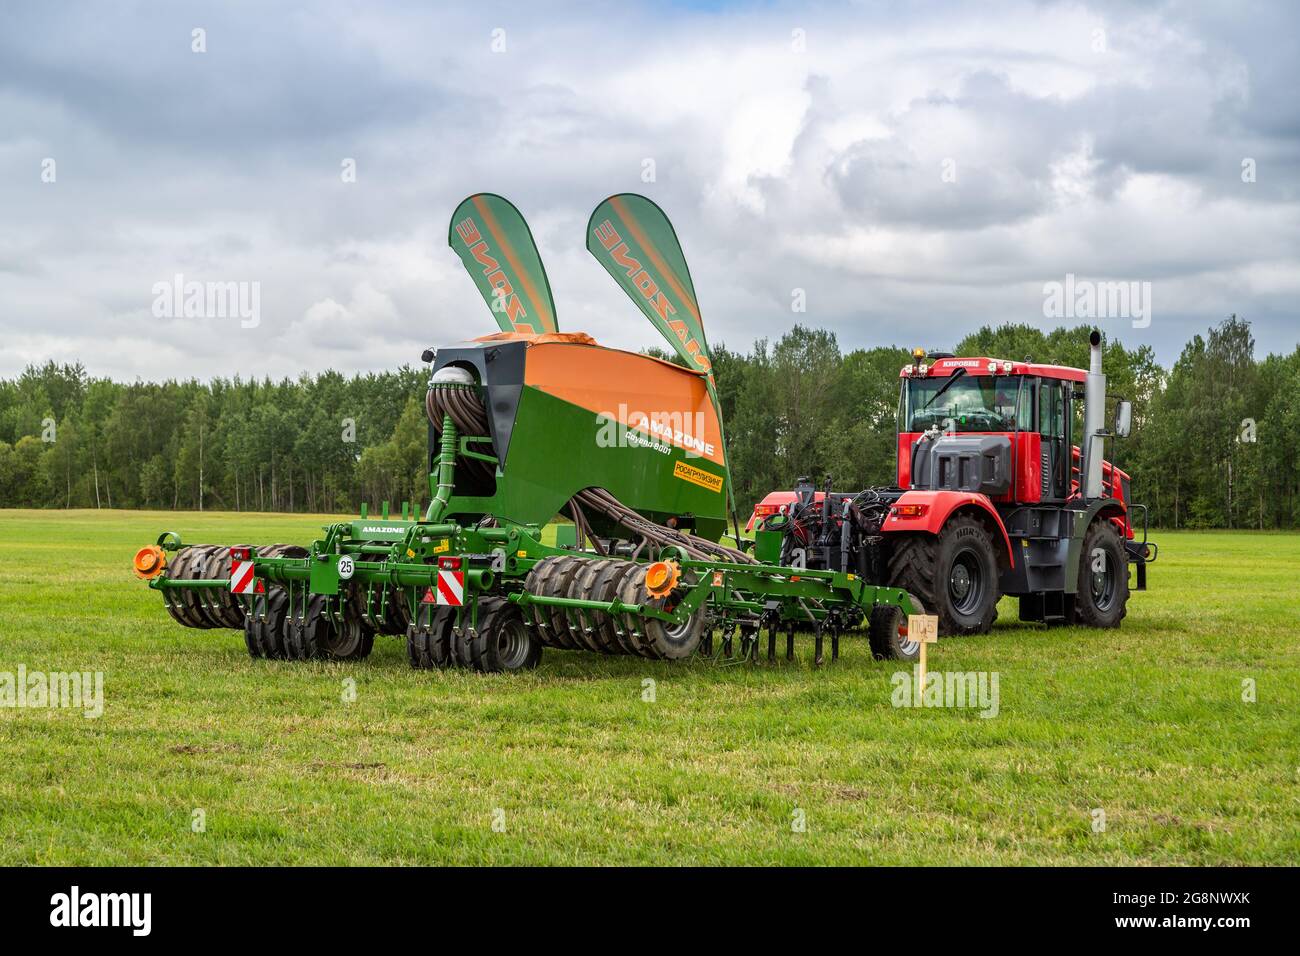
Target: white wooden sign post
[{"x": 924, "y": 629}]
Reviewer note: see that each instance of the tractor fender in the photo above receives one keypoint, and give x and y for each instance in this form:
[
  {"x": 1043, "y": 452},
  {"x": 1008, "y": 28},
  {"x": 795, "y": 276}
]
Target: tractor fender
[
  {"x": 1106, "y": 508},
  {"x": 939, "y": 507}
]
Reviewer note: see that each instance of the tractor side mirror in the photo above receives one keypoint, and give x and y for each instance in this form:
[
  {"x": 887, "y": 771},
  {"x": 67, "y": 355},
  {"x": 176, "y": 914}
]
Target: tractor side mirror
[{"x": 1123, "y": 419}]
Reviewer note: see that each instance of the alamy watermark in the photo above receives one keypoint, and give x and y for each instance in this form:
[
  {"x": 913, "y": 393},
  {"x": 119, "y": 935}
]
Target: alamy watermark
[
  {"x": 179, "y": 299},
  {"x": 657, "y": 431},
  {"x": 133, "y": 911},
  {"x": 976, "y": 690},
  {"x": 1086, "y": 299},
  {"x": 38, "y": 690}
]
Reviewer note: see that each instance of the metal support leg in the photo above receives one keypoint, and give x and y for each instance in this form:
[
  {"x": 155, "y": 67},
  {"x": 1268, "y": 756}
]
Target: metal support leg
[
  {"x": 771, "y": 642},
  {"x": 818, "y": 656},
  {"x": 835, "y": 643},
  {"x": 789, "y": 643}
]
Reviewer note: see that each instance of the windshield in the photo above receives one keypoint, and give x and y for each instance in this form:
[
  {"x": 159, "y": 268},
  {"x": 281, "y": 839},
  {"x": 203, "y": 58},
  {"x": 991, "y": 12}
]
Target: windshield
[{"x": 972, "y": 403}]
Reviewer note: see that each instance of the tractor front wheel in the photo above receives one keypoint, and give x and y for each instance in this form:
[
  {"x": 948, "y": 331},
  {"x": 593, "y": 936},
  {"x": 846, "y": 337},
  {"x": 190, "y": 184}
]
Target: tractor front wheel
[
  {"x": 955, "y": 573},
  {"x": 1102, "y": 598}
]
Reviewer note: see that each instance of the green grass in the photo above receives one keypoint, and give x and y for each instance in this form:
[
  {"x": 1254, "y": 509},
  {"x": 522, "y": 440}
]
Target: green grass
[{"x": 1147, "y": 723}]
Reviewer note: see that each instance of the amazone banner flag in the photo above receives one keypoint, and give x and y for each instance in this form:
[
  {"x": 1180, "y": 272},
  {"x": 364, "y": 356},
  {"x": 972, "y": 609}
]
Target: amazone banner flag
[
  {"x": 632, "y": 238},
  {"x": 635, "y": 242},
  {"x": 494, "y": 242}
]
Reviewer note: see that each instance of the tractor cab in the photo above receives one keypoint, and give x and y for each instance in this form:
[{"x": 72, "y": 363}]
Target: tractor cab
[{"x": 994, "y": 427}]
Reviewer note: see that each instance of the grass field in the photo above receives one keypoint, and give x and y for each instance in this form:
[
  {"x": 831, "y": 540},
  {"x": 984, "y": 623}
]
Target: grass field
[{"x": 1147, "y": 724}]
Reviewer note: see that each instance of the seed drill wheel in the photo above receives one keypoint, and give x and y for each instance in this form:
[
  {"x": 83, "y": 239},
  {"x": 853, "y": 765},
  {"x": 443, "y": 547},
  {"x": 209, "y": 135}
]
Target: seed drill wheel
[
  {"x": 539, "y": 581},
  {"x": 266, "y": 638},
  {"x": 583, "y": 624},
  {"x": 502, "y": 642},
  {"x": 428, "y": 639},
  {"x": 887, "y": 634},
  {"x": 313, "y": 636},
  {"x": 609, "y": 587},
  {"x": 653, "y": 637},
  {"x": 556, "y": 584}
]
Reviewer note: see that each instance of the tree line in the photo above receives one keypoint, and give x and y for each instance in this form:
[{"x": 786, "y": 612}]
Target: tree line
[{"x": 1211, "y": 444}]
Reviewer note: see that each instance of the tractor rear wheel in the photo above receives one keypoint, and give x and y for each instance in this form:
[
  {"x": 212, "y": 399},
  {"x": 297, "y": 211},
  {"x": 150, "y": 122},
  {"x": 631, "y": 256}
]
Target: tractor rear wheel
[
  {"x": 1102, "y": 598},
  {"x": 503, "y": 642},
  {"x": 887, "y": 632},
  {"x": 955, "y": 573}
]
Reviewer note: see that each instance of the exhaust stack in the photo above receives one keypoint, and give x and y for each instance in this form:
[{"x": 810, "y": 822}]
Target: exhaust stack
[{"x": 1094, "y": 416}]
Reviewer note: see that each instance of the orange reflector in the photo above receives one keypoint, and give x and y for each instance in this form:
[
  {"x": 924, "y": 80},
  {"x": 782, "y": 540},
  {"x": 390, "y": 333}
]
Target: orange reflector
[
  {"x": 909, "y": 511},
  {"x": 660, "y": 578},
  {"x": 149, "y": 562},
  {"x": 657, "y": 574}
]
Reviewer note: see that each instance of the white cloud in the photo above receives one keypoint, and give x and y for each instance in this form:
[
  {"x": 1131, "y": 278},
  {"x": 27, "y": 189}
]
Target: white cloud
[{"x": 819, "y": 170}]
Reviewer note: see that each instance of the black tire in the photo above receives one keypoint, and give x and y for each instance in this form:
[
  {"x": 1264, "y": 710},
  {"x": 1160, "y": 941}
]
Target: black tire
[
  {"x": 190, "y": 567},
  {"x": 352, "y": 642},
  {"x": 558, "y": 583},
  {"x": 537, "y": 582},
  {"x": 956, "y": 573},
  {"x": 270, "y": 633},
  {"x": 253, "y": 636},
  {"x": 1102, "y": 598},
  {"x": 887, "y": 633},
  {"x": 306, "y": 639},
  {"x": 667, "y": 641},
  {"x": 581, "y": 585},
  {"x": 429, "y": 646},
  {"x": 503, "y": 641},
  {"x": 615, "y": 635}
]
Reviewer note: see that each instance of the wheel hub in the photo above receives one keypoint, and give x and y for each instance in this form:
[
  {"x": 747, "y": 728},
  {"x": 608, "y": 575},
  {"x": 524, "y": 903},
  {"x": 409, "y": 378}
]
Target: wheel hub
[{"x": 960, "y": 581}]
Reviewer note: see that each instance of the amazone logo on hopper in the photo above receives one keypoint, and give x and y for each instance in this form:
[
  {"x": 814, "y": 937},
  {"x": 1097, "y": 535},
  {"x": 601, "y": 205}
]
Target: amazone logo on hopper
[{"x": 683, "y": 429}]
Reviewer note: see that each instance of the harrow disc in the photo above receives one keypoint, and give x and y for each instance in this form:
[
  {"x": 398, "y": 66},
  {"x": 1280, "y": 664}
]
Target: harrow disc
[{"x": 352, "y": 641}]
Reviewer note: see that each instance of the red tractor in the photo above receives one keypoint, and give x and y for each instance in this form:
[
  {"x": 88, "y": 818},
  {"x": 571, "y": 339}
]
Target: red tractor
[{"x": 1002, "y": 490}]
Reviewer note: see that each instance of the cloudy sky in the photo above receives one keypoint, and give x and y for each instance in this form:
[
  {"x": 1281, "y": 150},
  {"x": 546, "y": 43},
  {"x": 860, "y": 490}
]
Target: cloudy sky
[{"x": 918, "y": 169}]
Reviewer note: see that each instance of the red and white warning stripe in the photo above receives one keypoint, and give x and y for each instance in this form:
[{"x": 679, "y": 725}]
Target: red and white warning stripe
[
  {"x": 451, "y": 582},
  {"x": 451, "y": 587},
  {"x": 243, "y": 577}
]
